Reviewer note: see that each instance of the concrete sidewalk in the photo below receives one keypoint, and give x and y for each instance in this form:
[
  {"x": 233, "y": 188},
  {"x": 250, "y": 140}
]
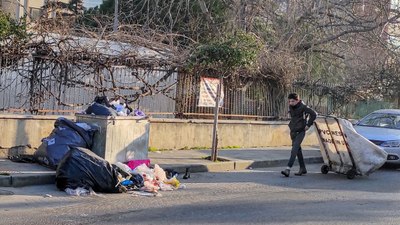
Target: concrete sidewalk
[
  {"x": 232, "y": 159},
  {"x": 25, "y": 174}
]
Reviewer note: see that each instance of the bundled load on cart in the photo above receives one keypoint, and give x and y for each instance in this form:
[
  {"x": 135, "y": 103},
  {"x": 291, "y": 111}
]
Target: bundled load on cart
[{"x": 344, "y": 150}]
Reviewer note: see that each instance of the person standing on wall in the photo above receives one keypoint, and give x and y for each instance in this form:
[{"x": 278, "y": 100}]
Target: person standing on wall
[{"x": 301, "y": 119}]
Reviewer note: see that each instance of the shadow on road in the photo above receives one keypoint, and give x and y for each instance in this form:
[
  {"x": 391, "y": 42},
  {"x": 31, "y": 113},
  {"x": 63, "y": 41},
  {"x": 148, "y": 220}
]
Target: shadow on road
[{"x": 385, "y": 180}]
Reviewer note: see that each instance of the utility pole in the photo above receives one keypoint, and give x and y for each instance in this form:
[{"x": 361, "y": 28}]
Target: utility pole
[{"x": 116, "y": 23}]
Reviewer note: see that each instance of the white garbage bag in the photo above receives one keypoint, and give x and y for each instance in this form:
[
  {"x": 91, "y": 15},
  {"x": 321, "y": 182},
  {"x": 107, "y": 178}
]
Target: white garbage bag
[{"x": 367, "y": 156}]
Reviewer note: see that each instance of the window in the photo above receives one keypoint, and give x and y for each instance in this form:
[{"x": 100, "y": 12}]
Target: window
[{"x": 381, "y": 120}]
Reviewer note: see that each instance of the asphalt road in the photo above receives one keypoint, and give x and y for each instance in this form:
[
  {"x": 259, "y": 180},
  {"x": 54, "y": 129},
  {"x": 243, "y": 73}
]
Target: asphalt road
[{"x": 246, "y": 197}]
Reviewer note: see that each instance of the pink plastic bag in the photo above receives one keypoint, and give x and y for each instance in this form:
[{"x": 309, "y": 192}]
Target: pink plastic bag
[{"x": 137, "y": 162}]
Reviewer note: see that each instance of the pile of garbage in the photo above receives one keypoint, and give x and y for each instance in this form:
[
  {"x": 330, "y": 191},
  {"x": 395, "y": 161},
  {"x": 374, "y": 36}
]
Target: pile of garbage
[
  {"x": 81, "y": 172},
  {"x": 102, "y": 106}
]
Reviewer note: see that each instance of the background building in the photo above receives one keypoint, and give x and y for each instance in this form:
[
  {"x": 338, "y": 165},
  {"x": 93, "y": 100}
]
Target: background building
[{"x": 32, "y": 8}]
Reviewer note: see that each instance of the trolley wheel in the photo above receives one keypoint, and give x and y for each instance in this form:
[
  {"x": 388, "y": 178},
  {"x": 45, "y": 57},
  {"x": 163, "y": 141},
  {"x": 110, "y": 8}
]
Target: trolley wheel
[
  {"x": 324, "y": 169},
  {"x": 351, "y": 174}
]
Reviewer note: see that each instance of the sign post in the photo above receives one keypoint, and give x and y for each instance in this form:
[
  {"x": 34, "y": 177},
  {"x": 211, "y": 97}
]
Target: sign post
[
  {"x": 211, "y": 95},
  {"x": 214, "y": 150}
]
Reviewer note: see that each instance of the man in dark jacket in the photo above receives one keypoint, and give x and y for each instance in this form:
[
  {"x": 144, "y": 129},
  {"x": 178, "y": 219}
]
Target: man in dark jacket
[{"x": 299, "y": 113}]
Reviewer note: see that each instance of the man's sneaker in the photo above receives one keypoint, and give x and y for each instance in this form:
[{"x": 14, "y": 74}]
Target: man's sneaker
[
  {"x": 301, "y": 172},
  {"x": 286, "y": 172}
]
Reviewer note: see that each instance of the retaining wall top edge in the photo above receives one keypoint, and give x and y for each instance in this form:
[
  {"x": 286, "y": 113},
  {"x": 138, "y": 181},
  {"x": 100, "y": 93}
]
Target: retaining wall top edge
[
  {"x": 34, "y": 117},
  {"x": 200, "y": 121},
  {"x": 152, "y": 120},
  {"x": 110, "y": 117}
]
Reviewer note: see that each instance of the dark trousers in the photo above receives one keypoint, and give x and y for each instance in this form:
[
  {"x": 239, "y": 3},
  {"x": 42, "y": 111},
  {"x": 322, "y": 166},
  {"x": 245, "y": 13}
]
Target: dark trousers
[{"x": 297, "y": 138}]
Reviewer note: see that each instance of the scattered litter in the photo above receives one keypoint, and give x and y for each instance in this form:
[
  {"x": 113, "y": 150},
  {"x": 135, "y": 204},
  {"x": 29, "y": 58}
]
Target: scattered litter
[
  {"x": 137, "y": 162},
  {"x": 174, "y": 182},
  {"x": 147, "y": 194},
  {"x": 81, "y": 192},
  {"x": 137, "y": 112},
  {"x": 125, "y": 168},
  {"x": 77, "y": 192},
  {"x": 171, "y": 173},
  {"x": 166, "y": 187},
  {"x": 47, "y": 196},
  {"x": 159, "y": 173},
  {"x": 187, "y": 174}
]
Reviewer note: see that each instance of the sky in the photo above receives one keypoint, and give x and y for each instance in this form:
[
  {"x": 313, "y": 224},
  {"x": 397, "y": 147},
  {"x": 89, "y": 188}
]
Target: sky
[{"x": 91, "y": 3}]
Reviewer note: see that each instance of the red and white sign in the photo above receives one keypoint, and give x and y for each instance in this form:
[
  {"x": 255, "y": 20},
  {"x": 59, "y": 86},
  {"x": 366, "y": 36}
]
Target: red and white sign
[{"x": 208, "y": 92}]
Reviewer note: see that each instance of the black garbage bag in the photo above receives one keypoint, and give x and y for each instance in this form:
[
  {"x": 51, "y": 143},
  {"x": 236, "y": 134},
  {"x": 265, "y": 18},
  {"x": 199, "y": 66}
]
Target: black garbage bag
[
  {"x": 66, "y": 134},
  {"x": 101, "y": 110},
  {"x": 82, "y": 168},
  {"x": 137, "y": 180}
]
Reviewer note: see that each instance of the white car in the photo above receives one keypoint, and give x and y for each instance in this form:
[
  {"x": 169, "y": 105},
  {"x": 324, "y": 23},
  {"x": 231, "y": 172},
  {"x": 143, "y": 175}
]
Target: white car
[{"x": 382, "y": 127}]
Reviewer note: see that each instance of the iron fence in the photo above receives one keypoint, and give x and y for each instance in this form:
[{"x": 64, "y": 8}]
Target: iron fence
[
  {"x": 42, "y": 87},
  {"x": 256, "y": 100}
]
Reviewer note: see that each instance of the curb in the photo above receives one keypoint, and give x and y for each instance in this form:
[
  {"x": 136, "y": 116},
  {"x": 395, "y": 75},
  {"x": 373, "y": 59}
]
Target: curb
[
  {"x": 21, "y": 180},
  {"x": 236, "y": 165}
]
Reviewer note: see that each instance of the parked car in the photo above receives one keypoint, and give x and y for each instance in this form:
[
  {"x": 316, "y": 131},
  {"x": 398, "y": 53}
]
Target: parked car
[{"x": 382, "y": 127}]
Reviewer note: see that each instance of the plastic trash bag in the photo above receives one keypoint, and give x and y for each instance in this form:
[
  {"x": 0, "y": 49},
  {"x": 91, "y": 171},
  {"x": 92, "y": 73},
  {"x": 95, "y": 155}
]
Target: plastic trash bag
[
  {"x": 367, "y": 156},
  {"x": 150, "y": 183},
  {"x": 125, "y": 168},
  {"x": 79, "y": 192},
  {"x": 145, "y": 171},
  {"x": 66, "y": 134},
  {"x": 174, "y": 182},
  {"x": 166, "y": 187},
  {"x": 137, "y": 112},
  {"x": 137, "y": 180},
  {"x": 101, "y": 110},
  {"x": 82, "y": 168},
  {"x": 159, "y": 173},
  {"x": 137, "y": 162}
]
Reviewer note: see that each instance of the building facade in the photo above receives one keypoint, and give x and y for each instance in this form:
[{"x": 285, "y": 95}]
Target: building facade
[{"x": 33, "y": 9}]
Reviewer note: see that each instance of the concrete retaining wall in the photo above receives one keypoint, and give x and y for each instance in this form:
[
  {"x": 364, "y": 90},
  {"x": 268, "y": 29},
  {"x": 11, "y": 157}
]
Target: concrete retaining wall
[
  {"x": 182, "y": 134},
  {"x": 21, "y": 130}
]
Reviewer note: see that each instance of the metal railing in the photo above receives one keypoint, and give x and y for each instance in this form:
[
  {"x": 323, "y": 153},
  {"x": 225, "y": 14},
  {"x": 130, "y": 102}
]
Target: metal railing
[{"x": 42, "y": 87}]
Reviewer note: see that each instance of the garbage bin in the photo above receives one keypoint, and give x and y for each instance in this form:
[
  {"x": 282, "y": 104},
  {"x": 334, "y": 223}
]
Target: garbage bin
[{"x": 119, "y": 139}]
